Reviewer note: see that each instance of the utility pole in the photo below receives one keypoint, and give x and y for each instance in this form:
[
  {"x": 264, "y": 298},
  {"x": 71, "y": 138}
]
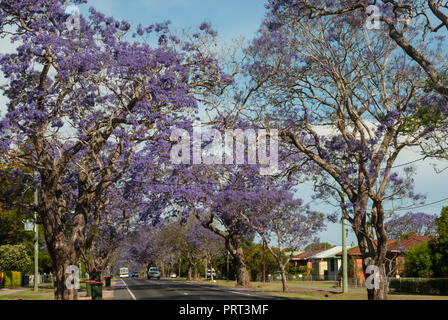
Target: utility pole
[
  {"x": 228, "y": 267},
  {"x": 36, "y": 244},
  {"x": 344, "y": 257},
  {"x": 264, "y": 262}
]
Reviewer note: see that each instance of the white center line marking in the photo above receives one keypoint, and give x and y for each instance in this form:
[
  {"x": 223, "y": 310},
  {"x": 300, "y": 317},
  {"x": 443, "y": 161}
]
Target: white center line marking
[{"x": 130, "y": 292}]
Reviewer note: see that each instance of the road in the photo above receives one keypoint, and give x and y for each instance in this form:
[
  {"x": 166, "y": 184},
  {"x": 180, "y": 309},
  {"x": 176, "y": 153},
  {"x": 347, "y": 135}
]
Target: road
[{"x": 143, "y": 289}]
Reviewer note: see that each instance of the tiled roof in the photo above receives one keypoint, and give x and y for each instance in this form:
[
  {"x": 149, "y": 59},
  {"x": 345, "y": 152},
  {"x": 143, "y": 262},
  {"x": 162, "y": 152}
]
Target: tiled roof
[
  {"x": 293, "y": 253},
  {"x": 305, "y": 255},
  {"x": 399, "y": 245}
]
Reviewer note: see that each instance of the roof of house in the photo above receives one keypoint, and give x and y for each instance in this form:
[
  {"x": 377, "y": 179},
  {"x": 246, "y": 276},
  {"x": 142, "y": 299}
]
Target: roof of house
[
  {"x": 293, "y": 253},
  {"x": 398, "y": 245},
  {"x": 305, "y": 255},
  {"x": 330, "y": 253}
]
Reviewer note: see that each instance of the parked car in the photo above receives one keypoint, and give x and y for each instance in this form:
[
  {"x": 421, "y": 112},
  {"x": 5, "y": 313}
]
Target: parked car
[
  {"x": 173, "y": 275},
  {"x": 154, "y": 273}
]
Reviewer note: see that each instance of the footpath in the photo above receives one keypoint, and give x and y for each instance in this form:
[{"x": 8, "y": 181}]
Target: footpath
[{"x": 11, "y": 291}]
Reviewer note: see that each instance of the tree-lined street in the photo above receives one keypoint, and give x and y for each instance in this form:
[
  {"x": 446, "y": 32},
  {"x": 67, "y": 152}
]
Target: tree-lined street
[{"x": 130, "y": 147}]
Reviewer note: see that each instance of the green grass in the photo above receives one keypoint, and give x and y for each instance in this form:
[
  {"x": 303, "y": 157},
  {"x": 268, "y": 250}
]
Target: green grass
[
  {"x": 29, "y": 294},
  {"x": 313, "y": 290}
]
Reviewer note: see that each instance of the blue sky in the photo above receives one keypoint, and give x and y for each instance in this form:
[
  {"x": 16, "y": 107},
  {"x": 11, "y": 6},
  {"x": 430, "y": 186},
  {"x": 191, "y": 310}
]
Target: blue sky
[{"x": 233, "y": 19}]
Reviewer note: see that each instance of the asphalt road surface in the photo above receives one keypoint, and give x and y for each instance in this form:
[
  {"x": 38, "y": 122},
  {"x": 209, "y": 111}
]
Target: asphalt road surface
[{"x": 143, "y": 289}]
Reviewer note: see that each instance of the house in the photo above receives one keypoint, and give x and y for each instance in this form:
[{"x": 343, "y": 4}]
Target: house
[
  {"x": 302, "y": 259},
  {"x": 394, "y": 256},
  {"x": 326, "y": 264}
]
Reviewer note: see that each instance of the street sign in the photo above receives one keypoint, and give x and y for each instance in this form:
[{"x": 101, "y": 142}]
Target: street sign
[{"x": 29, "y": 225}]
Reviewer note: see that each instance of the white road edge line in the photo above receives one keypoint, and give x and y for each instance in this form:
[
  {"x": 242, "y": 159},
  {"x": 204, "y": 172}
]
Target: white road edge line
[
  {"x": 130, "y": 292},
  {"x": 225, "y": 290}
]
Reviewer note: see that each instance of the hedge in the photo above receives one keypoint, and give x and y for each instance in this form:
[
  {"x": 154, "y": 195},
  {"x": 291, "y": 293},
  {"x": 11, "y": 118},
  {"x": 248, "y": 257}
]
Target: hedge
[
  {"x": 419, "y": 285},
  {"x": 12, "y": 279}
]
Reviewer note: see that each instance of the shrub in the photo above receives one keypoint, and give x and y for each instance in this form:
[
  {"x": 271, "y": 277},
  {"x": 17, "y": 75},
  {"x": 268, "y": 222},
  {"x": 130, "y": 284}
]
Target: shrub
[
  {"x": 419, "y": 285},
  {"x": 12, "y": 279},
  {"x": 418, "y": 261},
  {"x": 15, "y": 258}
]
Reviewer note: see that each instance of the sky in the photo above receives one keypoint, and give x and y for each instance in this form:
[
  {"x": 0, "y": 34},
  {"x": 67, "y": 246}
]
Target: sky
[{"x": 233, "y": 19}]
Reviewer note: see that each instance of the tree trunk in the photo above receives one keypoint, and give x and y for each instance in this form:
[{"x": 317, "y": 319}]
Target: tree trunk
[
  {"x": 264, "y": 262},
  {"x": 380, "y": 284},
  {"x": 162, "y": 269},
  {"x": 242, "y": 275},
  {"x": 61, "y": 292},
  {"x": 233, "y": 245},
  {"x": 212, "y": 279},
  {"x": 284, "y": 284},
  {"x": 228, "y": 265},
  {"x": 195, "y": 272},
  {"x": 189, "y": 272}
]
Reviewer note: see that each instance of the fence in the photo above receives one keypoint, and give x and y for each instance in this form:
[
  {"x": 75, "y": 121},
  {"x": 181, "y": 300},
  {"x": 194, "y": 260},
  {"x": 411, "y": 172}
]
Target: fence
[
  {"x": 352, "y": 282},
  {"x": 43, "y": 278},
  {"x": 436, "y": 286}
]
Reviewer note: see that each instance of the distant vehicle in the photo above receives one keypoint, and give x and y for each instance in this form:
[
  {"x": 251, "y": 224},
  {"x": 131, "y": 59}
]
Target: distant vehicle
[
  {"x": 124, "y": 273},
  {"x": 154, "y": 273},
  {"x": 173, "y": 275},
  {"x": 133, "y": 274}
]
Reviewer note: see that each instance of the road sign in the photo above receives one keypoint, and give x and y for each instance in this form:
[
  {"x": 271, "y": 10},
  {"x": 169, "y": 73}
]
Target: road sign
[{"x": 29, "y": 225}]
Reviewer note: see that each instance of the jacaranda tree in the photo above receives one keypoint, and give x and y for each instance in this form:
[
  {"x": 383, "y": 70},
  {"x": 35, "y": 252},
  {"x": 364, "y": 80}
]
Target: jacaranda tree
[
  {"x": 342, "y": 101},
  {"x": 89, "y": 96}
]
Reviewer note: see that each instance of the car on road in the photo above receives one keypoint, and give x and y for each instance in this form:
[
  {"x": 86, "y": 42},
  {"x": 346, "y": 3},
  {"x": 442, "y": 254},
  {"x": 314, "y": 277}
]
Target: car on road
[
  {"x": 124, "y": 272},
  {"x": 154, "y": 273}
]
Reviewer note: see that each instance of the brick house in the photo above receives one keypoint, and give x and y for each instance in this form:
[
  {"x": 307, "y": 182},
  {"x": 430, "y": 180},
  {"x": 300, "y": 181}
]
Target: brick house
[
  {"x": 394, "y": 256},
  {"x": 302, "y": 259},
  {"x": 322, "y": 264}
]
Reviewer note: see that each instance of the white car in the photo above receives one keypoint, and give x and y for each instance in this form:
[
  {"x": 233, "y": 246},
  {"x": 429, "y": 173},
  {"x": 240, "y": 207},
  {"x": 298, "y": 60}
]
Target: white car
[
  {"x": 173, "y": 275},
  {"x": 124, "y": 272},
  {"x": 154, "y": 273}
]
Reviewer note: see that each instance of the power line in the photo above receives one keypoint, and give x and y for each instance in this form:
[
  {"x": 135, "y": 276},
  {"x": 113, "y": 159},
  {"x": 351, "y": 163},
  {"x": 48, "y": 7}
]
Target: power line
[
  {"x": 422, "y": 206},
  {"x": 408, "y": 163}
]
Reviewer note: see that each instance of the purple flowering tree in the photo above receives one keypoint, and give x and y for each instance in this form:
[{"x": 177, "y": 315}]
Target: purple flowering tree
[
  {"x": 215, "y": 195},
  {"x": 163, "y": 244},
  {"x": 82, "y": 101},
  {"x": 416, "y": 27},
  {"x": 418, "y": 223},
  {"x": 342, "y": 102},
  {"x": 284, "y": 223}
]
